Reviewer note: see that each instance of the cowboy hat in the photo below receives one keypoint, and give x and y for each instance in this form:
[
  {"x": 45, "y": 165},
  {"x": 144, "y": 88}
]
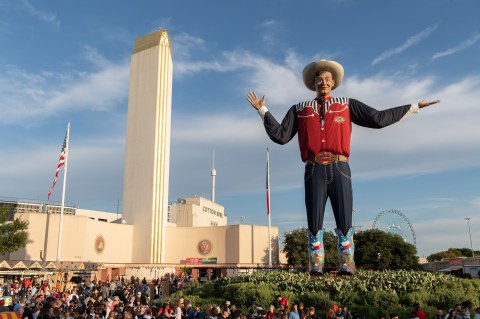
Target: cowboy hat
[{"x": 311, "y": 71}]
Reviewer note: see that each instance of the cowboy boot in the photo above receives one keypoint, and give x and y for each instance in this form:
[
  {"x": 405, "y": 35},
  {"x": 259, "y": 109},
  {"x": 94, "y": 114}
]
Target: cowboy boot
[
  {"x": 316, "y": 253},
  {"x": 346, "y": 250}
]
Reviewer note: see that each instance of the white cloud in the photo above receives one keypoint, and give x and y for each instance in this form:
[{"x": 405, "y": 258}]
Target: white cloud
[
  {"x": 270, "y": 30},
  {"x": 407, "y": 44},
  {"x": 264, "y": 76},
  {"x": 184, "y": 45},
  {"x": 92, "y": 55},
  {"x": 48, "y": 17},
  {"x": 28, "y": 97},
  {"x": 462, "y": 46}
]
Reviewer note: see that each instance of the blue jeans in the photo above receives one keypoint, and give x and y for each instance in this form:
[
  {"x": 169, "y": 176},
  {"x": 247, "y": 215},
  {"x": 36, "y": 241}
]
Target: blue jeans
[{"x": 328, "y": 181}]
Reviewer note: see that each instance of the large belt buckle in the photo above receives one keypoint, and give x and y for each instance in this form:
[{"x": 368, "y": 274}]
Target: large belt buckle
[{"x": 324, "y": 158}]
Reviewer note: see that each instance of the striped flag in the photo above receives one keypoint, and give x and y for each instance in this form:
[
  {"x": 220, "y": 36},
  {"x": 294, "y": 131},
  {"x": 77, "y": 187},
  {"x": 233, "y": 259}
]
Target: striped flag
[
  {"x": 268, "y": 183},
  {"x": 61, "y": 162}
]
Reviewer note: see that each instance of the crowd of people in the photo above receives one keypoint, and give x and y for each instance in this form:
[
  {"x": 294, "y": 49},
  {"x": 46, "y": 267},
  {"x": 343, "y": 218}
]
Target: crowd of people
[{"x": 133, "y": 299}]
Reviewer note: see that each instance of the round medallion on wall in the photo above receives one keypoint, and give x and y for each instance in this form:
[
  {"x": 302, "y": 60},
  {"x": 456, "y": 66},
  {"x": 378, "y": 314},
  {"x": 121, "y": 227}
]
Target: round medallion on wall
[
  {"x": 99, "y": 244},
  {"x": 204, "y": 247}
]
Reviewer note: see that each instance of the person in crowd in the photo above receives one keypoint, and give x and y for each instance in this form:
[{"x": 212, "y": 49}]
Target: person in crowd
[
  {"x": 226, "y": 307},
  {"x": 413, "y": 315},
  {"x": 189, "y": 311},
  {"x": 332, "y": 310},
  {"x": 294, "y": 312},
  {"x": 271, "y": 312},
  {"x": 417, "y": 311},
  {"x": 282, "y": 302},
  {"x": 311, "y": 313},
  {"x": 178, "y": 309},
  {"x": 198, "y": 314},
  {"x": 466, "y": 311},
  {"x": 477, "y": 313},
  {"x": 3, "y": 307},
  {"x": 452, "y": 314},
  {"x": 18, "y": 303},
  {"x": 27, "y": 311},
  {"x": 301, "y": 310},
  {"x": 21, "y": 311},
  {"x": 439, "y": 314},
  {"x": 458, "y": 311}
]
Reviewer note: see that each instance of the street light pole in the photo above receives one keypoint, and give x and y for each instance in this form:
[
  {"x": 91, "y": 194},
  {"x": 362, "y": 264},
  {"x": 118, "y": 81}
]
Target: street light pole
[
  {"x": 470, "y": 234},
  {"x": 353, "y": 217}
]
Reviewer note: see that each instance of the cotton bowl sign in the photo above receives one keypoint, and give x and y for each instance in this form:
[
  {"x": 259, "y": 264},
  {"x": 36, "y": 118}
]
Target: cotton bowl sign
[{"x": 201, "y": 261}]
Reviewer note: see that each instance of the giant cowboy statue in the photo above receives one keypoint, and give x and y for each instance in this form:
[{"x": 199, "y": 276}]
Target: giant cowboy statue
[{"x": 324, "y": 126}]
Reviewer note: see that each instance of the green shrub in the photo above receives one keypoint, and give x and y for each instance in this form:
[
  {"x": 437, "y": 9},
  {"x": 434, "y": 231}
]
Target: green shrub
[
  {"x": 208, "y": 290},
  {"x": 454, "y": 292},
  {"x": 409, "y": 299},
  {"x": 320, "y": 300},
  {"x": 384, "y": 299},
  {"x": 369, "y": 293},
  {"x": 366, "y": 311},
  {"x": 249, "y": 294},
  {"x": 445, "y": 298}
]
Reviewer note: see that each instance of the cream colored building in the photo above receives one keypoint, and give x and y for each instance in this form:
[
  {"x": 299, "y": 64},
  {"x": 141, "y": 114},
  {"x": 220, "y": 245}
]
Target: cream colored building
[
  {"x": 83, "y": 240},
  {"x": 231, "y": 245},
  {"x": 86, "y": 239},
  {"x": 197, "y": 212},
  {"x": 147, "y": 150}
]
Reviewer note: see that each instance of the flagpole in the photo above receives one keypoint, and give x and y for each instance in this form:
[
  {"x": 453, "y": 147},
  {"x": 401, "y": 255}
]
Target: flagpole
[
  {"x": 59, "y": 244},
  {"x": 268, "y": 212}
]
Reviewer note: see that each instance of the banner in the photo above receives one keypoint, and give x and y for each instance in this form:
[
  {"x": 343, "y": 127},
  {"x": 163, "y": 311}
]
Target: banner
[{"x": 201, "y": 261}]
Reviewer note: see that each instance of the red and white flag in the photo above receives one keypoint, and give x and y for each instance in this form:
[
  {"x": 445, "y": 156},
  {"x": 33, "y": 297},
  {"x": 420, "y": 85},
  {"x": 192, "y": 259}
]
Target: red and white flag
[
  {"x": 61, "y": 162},
  {"x": 268, "y": 183}
]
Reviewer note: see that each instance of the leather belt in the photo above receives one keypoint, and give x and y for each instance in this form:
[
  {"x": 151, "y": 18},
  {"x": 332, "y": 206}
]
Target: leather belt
[{"x": 326, "y": 158}]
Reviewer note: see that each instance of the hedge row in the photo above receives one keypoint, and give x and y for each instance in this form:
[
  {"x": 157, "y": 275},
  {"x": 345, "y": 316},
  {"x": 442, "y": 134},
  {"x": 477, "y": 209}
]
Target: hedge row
[{"x": 368, "y": 293}]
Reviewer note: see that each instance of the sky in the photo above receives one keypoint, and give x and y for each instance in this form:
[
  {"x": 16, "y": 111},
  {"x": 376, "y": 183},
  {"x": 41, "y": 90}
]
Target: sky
[{"x": 69, "y": 61}]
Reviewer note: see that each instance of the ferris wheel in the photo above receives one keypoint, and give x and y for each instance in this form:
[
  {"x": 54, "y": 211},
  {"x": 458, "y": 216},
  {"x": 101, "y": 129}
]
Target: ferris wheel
[{"x": 395, "y": 222}]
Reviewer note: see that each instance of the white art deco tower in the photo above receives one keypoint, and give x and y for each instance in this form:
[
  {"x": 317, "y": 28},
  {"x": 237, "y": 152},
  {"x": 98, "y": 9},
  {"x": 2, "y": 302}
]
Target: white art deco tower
[{"x": 147, "y": 151}]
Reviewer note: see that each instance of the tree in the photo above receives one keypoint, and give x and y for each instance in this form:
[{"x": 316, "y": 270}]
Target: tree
[
  {"x": 381, "y": 250},
  {"x": 13, "y": 233},
  {"x": 296, "y": 248},
  {"x": 451, "y": 253}
]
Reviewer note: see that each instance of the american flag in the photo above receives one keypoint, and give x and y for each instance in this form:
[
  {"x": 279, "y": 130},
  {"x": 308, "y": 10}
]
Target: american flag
[
  {"x": 268, "y": 184},
  {"x": 61, "y": 162}
]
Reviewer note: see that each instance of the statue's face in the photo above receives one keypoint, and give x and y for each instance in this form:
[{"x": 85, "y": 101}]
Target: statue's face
[{"x": 324, "y": 83}]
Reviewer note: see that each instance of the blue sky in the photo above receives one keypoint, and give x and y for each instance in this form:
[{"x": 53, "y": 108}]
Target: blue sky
[{"x": 64, "y": 61}]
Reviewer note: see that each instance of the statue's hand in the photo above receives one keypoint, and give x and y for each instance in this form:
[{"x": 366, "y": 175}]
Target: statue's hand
[
  {"x": 255, "y": 101},
  {"x": 424, "y": 103}
]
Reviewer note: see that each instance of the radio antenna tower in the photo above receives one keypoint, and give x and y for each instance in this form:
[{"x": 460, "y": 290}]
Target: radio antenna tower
[{"x": 214, "y": 173}]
